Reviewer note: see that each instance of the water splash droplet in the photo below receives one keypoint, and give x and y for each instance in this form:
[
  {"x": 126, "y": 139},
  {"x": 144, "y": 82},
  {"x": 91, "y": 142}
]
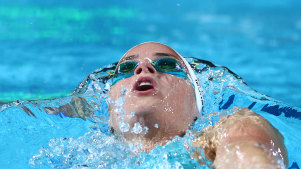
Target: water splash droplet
[
  {"x": 137, "y": 128},
  {"x": 132, "y": 115},
  {"x": 124, "y": 127},
  {"x": 145, "y": 130}
]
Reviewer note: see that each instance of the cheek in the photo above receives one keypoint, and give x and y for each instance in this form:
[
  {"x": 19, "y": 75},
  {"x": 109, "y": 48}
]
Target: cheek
[
  {"x": 168, "y": 84},
  {"x": 178, "y": 87},
  {"x": 178, "y": 92}
]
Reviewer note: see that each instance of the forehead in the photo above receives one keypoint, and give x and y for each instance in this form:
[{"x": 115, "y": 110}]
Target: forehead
[{"x": 149, "y": 50}]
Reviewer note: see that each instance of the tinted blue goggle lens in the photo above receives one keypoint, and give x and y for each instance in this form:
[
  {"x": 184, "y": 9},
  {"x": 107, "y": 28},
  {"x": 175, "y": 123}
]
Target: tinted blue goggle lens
[{"x": 164, "y": 65}]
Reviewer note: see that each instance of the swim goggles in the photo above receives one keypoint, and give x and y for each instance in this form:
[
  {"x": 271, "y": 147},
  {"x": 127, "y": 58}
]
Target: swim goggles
[{"x": 163, "y": 65}]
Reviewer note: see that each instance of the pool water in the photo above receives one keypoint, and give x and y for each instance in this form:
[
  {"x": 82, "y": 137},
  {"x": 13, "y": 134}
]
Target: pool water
[
  {"x": 39, "y": 140},
  {"x": 48, "y": 47}
]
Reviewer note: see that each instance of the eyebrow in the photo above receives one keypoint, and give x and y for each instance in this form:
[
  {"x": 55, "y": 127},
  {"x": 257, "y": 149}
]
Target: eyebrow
[
  {"x": 164, "y": 54},
  {"x": 131, "y": 57}
]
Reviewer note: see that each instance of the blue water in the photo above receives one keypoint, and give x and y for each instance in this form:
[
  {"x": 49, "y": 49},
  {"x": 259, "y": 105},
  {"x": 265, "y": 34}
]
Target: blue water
[
  {"x": 38, "y": 140},
  {"x": 48, "y": 47}
]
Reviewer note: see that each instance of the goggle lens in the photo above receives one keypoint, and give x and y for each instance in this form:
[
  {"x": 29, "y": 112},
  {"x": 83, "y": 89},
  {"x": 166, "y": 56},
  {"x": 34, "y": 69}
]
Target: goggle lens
[
  {"x": 164, "y": 65},
  {"x": 127, "y": 67}
]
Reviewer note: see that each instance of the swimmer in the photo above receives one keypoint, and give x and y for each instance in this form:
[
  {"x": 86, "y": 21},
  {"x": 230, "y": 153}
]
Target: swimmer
[
  {"x": 161, "y": 94},
  {"x": 162, "y": 100}
]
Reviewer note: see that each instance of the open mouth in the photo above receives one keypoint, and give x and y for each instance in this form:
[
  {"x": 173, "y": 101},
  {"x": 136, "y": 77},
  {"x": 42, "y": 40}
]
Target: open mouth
[{"x": 144, "y": 85}]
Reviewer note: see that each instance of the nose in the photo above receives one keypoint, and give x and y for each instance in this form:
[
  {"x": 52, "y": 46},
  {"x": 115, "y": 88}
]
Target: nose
[{"x": 145, "y": 67}]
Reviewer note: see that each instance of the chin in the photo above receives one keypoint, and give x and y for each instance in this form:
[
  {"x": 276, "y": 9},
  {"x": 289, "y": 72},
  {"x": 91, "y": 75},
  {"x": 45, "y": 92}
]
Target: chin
[
  {"x": 142, "y": 111},
  {"x": 142, "y": 106}
]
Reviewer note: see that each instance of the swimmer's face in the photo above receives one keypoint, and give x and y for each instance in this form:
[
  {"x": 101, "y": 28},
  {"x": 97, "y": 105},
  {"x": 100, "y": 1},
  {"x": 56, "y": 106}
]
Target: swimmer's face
[{"x": 162, "y": 103}]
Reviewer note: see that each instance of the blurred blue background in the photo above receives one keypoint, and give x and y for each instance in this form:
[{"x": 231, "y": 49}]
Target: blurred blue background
[{"x": 47, "y": 47}]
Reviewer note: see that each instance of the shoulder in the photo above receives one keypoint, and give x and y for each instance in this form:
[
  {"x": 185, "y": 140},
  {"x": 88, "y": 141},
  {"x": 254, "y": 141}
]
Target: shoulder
[{"x": 244, "y": 128}]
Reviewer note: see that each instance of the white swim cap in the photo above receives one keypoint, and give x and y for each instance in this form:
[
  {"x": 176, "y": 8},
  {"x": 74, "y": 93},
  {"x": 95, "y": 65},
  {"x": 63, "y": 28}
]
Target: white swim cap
[{"x": 197, "y": 87}]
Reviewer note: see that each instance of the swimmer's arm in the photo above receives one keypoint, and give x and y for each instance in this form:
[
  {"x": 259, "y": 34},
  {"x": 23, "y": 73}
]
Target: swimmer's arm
[{"x": 244, "y": 140}]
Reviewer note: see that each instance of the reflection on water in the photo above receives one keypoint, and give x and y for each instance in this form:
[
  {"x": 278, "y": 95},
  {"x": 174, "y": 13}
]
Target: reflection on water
[{"x": 51, "y": 23}]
